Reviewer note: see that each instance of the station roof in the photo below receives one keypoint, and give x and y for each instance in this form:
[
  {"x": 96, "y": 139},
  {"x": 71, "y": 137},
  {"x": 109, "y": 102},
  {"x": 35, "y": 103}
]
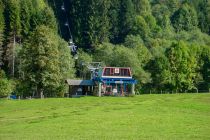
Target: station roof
[{"x": 79, "y": 82}]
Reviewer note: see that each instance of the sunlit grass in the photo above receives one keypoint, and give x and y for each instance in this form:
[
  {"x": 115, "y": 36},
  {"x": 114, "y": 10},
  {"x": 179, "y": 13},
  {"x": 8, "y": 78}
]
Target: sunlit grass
[{"x": 178, "y": 116}]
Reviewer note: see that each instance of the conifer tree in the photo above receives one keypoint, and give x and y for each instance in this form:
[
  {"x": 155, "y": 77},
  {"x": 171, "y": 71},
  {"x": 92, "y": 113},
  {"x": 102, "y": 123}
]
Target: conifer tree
[
  {"x": 102, "y": 27},
  {"x": 89, "y": 22},
  {"x": 114, "y": 18},
  {"x": 126, "y": 19},
  {"x": 44, "y": 16},
  {"x": 2, "y": 25},
  {"x": 40, "y": 58},
  {"x": 75, "y": 16},
  {"x": 46, "y": 62},
  {"x": 25, "y": 17},
  {"x": 12, "y": 32}
]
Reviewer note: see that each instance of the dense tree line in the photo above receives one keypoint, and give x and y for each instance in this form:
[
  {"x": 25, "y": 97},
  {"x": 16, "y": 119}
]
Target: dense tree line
[
  {"x": 33, "y": 56},
  {"x": 165, "y": 42}
]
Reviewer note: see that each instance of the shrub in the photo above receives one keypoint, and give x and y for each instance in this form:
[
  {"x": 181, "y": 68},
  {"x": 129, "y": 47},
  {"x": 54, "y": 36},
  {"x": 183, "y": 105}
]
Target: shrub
[{"x": 6, "y": 86}]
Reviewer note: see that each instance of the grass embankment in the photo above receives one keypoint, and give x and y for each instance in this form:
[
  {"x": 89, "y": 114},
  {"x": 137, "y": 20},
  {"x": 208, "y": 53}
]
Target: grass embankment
[{"x": 180, "y": 116}]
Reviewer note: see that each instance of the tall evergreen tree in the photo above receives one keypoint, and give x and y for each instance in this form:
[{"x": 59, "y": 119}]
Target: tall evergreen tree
[
  {"x": 102, "y": 20},
  {"x": 2, "y": 25},
  {"x": 25, "y": 17},
  {"x": 12, "y": 32},
  {"x": 75, "y": 16},
  {"x": 126, "y": 19},
  {"x": 44, "y": 16},
  {"x": 114, "y": 18},
  {"x": 40, "y": 60},
  {"x": 89, "y": 21}
]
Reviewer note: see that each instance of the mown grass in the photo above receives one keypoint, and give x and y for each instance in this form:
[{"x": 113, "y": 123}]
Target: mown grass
[{"x": 177, "y": 116}]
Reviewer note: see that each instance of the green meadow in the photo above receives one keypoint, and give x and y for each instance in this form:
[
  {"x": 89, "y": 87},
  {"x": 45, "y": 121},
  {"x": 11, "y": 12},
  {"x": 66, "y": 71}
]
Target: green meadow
[{"x": 158, "y": 117}]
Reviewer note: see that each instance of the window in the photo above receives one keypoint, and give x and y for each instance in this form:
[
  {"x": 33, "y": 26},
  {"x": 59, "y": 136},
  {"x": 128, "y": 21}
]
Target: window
[
  {"x": 118, "y": 72},
  {"x": 107, "y": 72}
]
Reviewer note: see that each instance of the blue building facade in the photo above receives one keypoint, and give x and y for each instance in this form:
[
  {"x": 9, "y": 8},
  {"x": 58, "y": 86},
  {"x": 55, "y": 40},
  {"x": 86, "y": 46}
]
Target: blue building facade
[{"x": 114, "y": 81}]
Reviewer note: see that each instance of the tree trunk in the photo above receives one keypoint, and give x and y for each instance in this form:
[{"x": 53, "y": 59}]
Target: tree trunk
[{"x": 39, "y": 91}]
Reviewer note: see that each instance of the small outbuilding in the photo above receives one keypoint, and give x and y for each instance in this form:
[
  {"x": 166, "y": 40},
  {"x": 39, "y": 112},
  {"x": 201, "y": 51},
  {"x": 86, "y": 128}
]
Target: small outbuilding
[{"x": 80, "y": 87}]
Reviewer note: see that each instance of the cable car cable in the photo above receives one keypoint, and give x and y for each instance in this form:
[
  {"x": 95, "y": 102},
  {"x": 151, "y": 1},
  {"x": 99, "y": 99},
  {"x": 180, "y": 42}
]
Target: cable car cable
[
  {"x": 56, "y": 13},
  {"x": 63, "y": 8},
  {"x": 71, "y": 45}
]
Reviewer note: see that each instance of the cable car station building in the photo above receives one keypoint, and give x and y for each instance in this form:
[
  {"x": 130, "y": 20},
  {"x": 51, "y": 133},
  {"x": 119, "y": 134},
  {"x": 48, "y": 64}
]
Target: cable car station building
[{"x": 106, "y": 81}]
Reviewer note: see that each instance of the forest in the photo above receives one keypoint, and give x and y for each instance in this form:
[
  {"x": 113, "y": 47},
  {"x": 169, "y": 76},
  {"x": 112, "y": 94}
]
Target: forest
[{"x": 165, "y": 42}]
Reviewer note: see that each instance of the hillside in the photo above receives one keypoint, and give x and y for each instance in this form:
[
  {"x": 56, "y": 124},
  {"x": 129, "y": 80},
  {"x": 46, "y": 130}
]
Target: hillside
[
  {"x": 165, "y": 42},
  {"x": 180, "y": 116}
]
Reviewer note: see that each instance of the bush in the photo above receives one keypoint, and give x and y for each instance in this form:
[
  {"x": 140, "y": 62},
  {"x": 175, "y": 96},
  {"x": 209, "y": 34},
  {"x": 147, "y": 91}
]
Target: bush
[
  {"x": 5, "y": 87},
  {"x": 23, "y": 89}
]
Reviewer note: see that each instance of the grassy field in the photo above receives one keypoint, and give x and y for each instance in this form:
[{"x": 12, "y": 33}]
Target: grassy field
[{"x": 177, "y": 116}]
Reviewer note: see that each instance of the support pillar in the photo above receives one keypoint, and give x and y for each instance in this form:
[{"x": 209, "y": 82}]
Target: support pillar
[
  {"x": 92, "y": 90},
  {"x": 133, "y": 89},
  {"x": 99, "y": 89}
]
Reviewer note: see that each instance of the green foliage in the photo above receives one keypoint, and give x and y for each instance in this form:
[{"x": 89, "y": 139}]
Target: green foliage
[
  {"x": 45, "y": 17},
  {"x": 25, "y": 17},
  {"x": 176, "y": 70},
  {"x": 172, "y": 5},
  {"x": 81, "y": 64},
  {"x": 43, "y": 61},
  {"x": 182, "y": 67},
  {"x": 140, "y": 27},
  {"x": 114, "y": 14},
  {"x": 159, "y": 72},
  {"x": 90, "y": 22},
  {"x": 203, "y": 11},
  {"x": 104, "y": 53},
  {"x": 6, "y": 87},
  {"x": 2, "y": 26},
  {"x": 136, "y": 43},
  {"x": 66, "y": 61},
  {"x": 185, "y": 18},
  {"x": 135, "y": 56},
  {"x": 161, "y": 13},
  {"x": 126, "y": 19},
  {"x": 23, "y": 89},
  {"x": 205, "y": 67},
  {"x": 132, "y": 41},
  {"x": 12, "y": 32},
  {"x": 142, "y": 7},
  {"x": 133, "y": 33},
  {"x": 194, "y": 37},
  {"x": 13, "y": 7}
]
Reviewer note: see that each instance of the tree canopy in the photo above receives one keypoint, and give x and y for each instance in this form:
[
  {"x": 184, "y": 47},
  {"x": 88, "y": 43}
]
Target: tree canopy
[{"x": 165, "y": 42}]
